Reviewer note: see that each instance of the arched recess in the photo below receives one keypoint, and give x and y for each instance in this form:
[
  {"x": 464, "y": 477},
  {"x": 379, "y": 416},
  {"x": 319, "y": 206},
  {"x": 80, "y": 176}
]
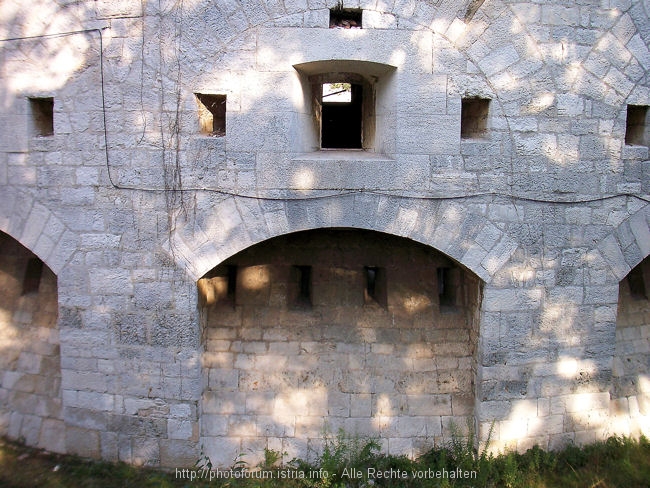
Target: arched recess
[
  {"x": 328, "y": 329},
  {"x": 630, "y": 390},
  {"x": 35, "y": 246},
  {"x": 222, "y": 227},
  {"x": 628, "y": 251},
  {"x": 220, "y": 230},
  {"x": 30, "y": 365}
]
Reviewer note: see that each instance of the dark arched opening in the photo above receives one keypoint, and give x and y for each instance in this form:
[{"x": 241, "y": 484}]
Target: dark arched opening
[{"x": 30, "y": 367}]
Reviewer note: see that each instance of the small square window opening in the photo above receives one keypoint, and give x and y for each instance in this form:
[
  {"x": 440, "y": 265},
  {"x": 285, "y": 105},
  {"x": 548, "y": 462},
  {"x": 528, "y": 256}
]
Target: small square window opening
[
  {"x": 345, "y": 18},
  {"x": 212, "y": 114},
  {"x": 42, "y": 112},
  {"x": 474, "y": 117},
  {"x": 637, "y": 126}
]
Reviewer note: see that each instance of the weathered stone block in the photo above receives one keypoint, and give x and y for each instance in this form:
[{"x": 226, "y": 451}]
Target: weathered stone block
[
  {"x": 512, "y": 299},
  {"x": 83, "y": 442},
  {"x": 182, "y": 429},
  {"x": 178, "y": 453}
]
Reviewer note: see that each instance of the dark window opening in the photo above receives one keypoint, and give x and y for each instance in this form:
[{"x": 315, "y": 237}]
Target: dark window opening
[
  {"x": 341, "y": 125},
  {"x": 42, "y": 110},
  {"x": 474, "y": 117},
  {"x": 212, "y": 114},
  {"x": 346, "y": 18},
  {"x": 33, "y": 274},
  {"x": 375, "y": 290},
  {"x": 368, "y": 81},
  {"x": 371, "y": 281},
  {"x": 232, "y": 282},
  {"x": 636, "y": 125},
  {"x": 448, "y": 282},
  {"x": 636, "y": 281},
  {"x": 302, "y": 280}
]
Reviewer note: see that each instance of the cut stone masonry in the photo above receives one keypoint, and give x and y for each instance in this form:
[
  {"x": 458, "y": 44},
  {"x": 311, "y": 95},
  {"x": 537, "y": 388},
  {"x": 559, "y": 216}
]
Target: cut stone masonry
[{"x": 216, "y": 274}]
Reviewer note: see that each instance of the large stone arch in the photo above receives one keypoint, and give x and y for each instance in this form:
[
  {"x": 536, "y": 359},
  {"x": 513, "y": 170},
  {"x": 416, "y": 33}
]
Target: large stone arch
[
  {"x": 222, "y": 227},
  {"x": 628, "y": 244},
  {"x": 447, "y": 226},
  {"x": 38, "y": 229}
]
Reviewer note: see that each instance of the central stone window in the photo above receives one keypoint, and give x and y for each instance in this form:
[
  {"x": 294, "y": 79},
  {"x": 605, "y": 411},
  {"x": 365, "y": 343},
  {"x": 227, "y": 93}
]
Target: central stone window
[
  {"x": 344, "y": 100},
  {"x": 344, "y": 110}
]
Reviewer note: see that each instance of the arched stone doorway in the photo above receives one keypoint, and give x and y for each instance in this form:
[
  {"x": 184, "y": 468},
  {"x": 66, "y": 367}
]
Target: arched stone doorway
[
  {"x": 331, "y": 329},
  {"x": 30, "y": 366}
]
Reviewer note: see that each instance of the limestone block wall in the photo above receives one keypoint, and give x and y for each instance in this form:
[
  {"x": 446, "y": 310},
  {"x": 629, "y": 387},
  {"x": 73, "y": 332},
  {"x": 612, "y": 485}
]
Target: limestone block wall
[
  {"x": 290, "y": 356},
  {"x": 131, "y": 205},
  {"x": 30, "y": 363}
]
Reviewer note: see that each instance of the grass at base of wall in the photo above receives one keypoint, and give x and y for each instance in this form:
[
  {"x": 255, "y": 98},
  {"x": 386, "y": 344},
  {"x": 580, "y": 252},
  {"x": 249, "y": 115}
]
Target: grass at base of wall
[{"x": 352, "y": 462}]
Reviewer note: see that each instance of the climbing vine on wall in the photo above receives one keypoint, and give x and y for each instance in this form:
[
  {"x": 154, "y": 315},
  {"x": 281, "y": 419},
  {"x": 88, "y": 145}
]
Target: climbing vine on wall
[{"x": 168, "y": 73}]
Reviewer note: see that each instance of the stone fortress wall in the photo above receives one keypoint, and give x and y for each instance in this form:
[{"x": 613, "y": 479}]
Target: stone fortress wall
[{"x": 480, "y": 254}]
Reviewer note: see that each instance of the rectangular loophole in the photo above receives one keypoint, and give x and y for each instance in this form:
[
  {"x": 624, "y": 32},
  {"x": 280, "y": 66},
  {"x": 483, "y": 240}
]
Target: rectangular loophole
[
  {"x": 448, "y": 284},
  {"x": 636, "y": 125},
  {"x": 636, "y": 281},
  {"x": 231, "y": 290},
  {"x": 33, "y": 274},
  {"x": 212, "y": 114},
  {"x": 302, "y": 278},
  {"x": 375, "y": 289},
  {"x": 474, "y": 117},
  {"x": 42, "y": 116},
  {"x": 218, "y": 287}
]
